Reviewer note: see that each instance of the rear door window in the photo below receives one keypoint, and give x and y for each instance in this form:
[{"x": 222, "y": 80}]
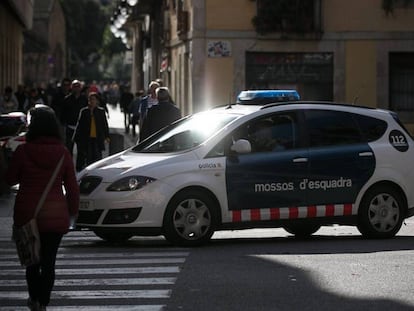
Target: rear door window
[{"x": 329, "y": 128}]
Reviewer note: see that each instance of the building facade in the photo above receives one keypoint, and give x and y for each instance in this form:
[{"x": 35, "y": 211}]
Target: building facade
[
  {"x": 352, "y": 51},
  {"x": 45, "y": 44},
  {"x": 15, "y": 17}
]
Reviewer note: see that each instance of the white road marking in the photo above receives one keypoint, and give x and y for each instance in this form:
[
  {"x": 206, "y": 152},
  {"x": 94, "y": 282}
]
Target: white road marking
[
  {"x": 95, "y": 262},
  {"x": 62, "y": 255},
  {"x": 95, "y": 294},
  {"x": 96, "y": 282},
  {"x": 100, "y": 271},
  {"x": 95, "y": 278},
  {"x": 94, "y": 308}
]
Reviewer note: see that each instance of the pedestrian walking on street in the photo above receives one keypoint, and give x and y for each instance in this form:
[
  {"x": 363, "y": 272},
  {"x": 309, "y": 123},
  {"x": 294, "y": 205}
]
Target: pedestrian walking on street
[
  {"x": 59, "y": 97},
  {"x": 103, "y": 101},
  {"x": 8, "y": 102},
  {"x": 91, "y": 133},
  {"x": 125, "y": 101},
  {"x": 147, "y": 102},
  {"x": 134, "y": 111},
  {"x": 160, "y": 115},
  {"x": 31, "y": 167},
  {"x": 72, "y": 105},
  {"x": 21, "y": 94}
]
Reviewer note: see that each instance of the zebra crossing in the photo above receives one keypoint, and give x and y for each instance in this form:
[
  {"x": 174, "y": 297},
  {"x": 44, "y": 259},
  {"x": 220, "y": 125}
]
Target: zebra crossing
[{"x": 92, "y": 275}]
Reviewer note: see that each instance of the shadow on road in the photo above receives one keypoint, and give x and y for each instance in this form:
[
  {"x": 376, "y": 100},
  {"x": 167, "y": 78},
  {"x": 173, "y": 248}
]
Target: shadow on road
[
  {"x": 321, "y": 244},
  {"x": 322, "y": 273}
]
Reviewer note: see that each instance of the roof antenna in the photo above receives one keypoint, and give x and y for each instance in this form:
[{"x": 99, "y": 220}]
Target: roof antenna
[
  {"x": 355, "y": 100},
  {"x": 230, "y": 102}
]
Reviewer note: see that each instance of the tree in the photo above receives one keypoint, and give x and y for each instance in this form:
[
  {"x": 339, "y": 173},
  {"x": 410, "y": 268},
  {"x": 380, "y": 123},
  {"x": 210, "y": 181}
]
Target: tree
[{"x": 90, "y": 43}]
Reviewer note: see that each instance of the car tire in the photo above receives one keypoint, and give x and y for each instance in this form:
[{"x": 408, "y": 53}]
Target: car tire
[
  {"x": 190, "y": 218},
  {"x": 302, "y": 230},
  {"x": 112, "y": 236},
  {"x": 381, "y": 213}
]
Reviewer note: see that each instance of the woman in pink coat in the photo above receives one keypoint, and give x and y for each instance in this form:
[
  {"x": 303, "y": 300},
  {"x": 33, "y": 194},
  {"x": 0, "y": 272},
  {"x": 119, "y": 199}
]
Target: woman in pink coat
[{"x": 31, "y": 167}]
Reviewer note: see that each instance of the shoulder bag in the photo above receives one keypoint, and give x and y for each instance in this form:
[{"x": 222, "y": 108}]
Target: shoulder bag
[{"x": 27, "y": 237}]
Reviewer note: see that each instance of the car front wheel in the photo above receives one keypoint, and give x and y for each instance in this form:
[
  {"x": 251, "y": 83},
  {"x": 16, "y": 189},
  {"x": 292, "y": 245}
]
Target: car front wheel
[
  {"x": 381, "y": 213},
  {"x": 190, "y": 218}
]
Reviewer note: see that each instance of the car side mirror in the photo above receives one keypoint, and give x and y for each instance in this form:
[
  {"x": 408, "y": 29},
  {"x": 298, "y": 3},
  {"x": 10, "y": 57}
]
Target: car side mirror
[{"x": 241, "y": 146}]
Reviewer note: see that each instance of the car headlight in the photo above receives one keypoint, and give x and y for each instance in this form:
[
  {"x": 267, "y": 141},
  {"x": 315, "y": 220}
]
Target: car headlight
[{"x": 130, "y": 183}]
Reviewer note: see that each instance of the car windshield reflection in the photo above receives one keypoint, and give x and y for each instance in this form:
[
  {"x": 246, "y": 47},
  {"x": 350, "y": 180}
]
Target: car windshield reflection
[{"x": 185, "y": 134}]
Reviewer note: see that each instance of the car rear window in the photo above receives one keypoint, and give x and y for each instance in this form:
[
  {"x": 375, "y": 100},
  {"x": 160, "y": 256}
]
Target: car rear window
[{"x": 371, "y": 128}]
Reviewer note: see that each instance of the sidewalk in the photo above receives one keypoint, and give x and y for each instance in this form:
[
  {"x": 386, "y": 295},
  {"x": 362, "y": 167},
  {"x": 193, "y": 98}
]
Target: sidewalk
[{"x": 116, "y": 126}]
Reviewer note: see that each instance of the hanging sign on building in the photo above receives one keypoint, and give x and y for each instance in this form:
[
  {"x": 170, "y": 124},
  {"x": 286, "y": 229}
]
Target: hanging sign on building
[
  {"x": 218, "y": 48},
  {"x": 164, "y": 65}
]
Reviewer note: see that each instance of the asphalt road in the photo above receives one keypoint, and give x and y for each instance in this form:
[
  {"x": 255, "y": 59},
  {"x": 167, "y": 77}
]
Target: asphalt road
[
  {"x": 270, "y": 270},
  {"x": 257, "y": 269}
]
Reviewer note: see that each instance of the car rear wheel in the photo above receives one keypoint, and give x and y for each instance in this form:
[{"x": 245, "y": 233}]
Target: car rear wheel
[
  {"x": 302, "y": 230},
  {"x": 112, "y": 236},
  {"x": 381, "y": 213},
  {"x": 190, "y": 218}
]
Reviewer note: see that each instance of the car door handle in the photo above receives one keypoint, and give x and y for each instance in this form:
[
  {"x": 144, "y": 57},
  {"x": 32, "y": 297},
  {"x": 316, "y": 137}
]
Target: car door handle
[
  {"x": 365, "y": 154},
  {"x": 300, "y": 160}
]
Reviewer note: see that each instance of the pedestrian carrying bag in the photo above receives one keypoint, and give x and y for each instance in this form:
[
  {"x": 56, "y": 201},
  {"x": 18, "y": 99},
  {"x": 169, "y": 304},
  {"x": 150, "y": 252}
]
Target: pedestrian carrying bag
[
  {"x": 27, "y": 237},
  {"x": 27, "y": 241}
]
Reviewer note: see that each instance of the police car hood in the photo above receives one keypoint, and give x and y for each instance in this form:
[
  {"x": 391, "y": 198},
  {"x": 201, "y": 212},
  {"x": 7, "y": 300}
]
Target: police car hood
[{"x": 129, "y": 162}]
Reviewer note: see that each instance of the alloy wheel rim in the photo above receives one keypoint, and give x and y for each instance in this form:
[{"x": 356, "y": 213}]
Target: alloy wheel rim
[
  {"x": 192, "y": 219},
  {"x": 384, "y": 212}
]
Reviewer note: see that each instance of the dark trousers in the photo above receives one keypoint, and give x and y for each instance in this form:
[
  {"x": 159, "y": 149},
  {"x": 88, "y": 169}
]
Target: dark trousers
[
  {"x": 41, "y": 277},
  {"x": 126, "y": 121},
  {"x": 88, "y": 154},
  {"x": 68, "y": 139},
  {"x": 134, "y": 123}
]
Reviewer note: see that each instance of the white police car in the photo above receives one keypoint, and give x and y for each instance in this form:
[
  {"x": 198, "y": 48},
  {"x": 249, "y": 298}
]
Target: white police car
[{"x": 296, "y": 165}]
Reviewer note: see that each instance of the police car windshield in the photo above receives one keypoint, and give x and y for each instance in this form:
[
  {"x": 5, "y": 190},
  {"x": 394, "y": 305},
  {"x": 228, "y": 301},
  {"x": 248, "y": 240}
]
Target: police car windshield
[{"x": 185, "y": 134}]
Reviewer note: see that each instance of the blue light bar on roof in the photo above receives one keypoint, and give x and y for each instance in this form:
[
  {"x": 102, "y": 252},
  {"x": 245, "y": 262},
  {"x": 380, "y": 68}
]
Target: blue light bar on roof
[{"x": 262, "y": 97}]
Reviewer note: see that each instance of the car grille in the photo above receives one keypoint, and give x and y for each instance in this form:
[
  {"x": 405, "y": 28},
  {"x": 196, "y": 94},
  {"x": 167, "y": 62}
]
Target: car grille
[
  {"x": 89, "y": 217},
  {"x": 89, "y": 183}
]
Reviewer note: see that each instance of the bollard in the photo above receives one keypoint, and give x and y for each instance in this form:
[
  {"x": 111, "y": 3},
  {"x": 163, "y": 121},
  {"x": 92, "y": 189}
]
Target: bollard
[{"x": 116, "y": 143}]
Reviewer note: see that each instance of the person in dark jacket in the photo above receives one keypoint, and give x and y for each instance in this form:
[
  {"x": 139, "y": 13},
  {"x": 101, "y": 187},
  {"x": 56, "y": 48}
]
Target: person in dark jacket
[
  {"x": 147, "y": 102},
  {"x": 72, "y": 105},
  {"x": 159, "y": 115},
  {"x": 91, "y": 132},
  {"x": 31, "y": 167},
  {"x": 125, "y": 100},
  {"x": 58, "y": 99}
]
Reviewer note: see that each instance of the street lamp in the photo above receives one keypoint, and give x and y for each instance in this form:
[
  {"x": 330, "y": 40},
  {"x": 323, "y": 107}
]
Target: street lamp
[
  {"x": 119, "y": 18},
  {"x": 132, "y": 2}
]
